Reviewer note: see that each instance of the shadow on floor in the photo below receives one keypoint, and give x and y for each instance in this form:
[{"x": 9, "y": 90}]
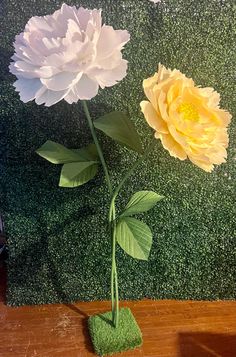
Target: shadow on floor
[
  {"x": 3, "y": 282},
  {"x": 207, "y": 345},
  {"x": 87, "y": 339}
]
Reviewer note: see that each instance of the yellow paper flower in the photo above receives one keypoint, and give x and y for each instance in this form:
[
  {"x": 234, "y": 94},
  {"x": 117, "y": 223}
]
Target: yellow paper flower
[{"x": 186, "y": 118}]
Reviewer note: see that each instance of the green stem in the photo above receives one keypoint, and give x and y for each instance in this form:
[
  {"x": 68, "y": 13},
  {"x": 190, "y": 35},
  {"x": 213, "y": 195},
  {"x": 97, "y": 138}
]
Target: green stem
[
  {"x": 112, "y": 213},
  {"x": 114, "y": 277},
  {"x": 128, "y": 174},
  {"x": 112, "y": 221},
  {"x": 112, "y": 217},
  {"x": 112, "y": 225},
  {"x": 115, "y": 308},
  {"x": 91, "y": 126}
]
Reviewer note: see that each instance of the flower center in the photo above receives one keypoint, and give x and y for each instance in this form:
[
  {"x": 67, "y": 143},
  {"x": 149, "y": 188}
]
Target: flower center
[{"x": 189, "y": 111}]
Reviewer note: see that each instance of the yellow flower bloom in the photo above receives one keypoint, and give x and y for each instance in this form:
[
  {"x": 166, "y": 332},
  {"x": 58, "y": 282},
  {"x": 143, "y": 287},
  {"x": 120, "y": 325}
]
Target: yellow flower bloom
[{"x": 186, "y": 118}]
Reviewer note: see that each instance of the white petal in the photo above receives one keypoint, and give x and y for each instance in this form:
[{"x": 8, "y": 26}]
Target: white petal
[
  {"x": 85, "y": 88},
  {"x": 51, "y": 43},
  {"x": 107, "y": 42},
  {"x": 56, "y": 59},
  {"x": 83, "y": 16},
  {"x": 71, "y": 97},
  {"x": 50, "y": 97},
  {"x": 60, "y": 81},
  {"x": 110, "y": 40},
  {"x": 25, "y": 66},
  {"x": 38, "y": 23},
  {"x": 46, "y": 71},
  {"x": 124, "y": 37},
  {"x": 112, "y": 61},
  {"x": 28, "y": 54},
  {"x": 27, "y": 88},
  {"x": 73, "y": 32},
  {"x": 108, "y": 78}
]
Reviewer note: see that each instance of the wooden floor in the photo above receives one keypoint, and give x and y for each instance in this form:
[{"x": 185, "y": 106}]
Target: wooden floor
[{"x": 170, "y": 329}]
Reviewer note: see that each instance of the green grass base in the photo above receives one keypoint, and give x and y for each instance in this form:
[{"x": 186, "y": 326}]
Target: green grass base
[{"x": 107, "y": 339}]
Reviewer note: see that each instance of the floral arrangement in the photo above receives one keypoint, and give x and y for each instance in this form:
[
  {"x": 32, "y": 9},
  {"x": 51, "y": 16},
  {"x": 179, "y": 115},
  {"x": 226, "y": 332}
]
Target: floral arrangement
[{"x": 70, "y": 55}]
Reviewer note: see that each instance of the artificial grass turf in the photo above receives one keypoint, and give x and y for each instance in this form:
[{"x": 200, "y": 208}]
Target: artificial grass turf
[
  {"x": 108, "y": 340},
  {"x": 58, "y": 243}
]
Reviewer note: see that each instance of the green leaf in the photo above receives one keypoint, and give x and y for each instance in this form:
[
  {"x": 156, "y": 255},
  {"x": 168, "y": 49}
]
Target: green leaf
[
  {"x": 59, "y": 154},
  {"x": 117, "y": 126},
  {"x": 140, "y": 202},
  {"x": 89, "y": 153},
  {"x": 77, "y": 173},
  {"x": 134, "y": 237}
]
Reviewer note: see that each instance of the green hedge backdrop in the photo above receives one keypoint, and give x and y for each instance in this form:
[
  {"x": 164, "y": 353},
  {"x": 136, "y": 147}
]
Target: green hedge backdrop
[{"x": 59, "y": 248}]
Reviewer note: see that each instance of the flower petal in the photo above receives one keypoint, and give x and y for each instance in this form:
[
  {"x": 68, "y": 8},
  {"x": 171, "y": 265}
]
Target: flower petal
[
  {"x": 152, "y": 117},
  {"x": 109, "y": 40},
  {"x": 172, "y": 146},
  {"x": 60, "y": 81},
  {"x": 71, "y": 97},
  {"x": 108, "y": 78},
  {"x": 85, "y": 88},
  {"x": 49, "y": 97},
  {"x": 27, "y": 88}
]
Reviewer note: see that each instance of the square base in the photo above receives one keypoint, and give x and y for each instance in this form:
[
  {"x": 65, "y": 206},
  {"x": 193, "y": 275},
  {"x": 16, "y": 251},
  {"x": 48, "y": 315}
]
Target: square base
[{"x": 107, "y": 339}]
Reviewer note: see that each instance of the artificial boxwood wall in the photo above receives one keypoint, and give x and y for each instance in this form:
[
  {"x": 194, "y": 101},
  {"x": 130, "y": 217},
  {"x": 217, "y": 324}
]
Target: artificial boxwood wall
[{"x": 59, "y": 248}]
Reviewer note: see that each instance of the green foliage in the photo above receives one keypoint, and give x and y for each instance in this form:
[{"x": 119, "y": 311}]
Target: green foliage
[
  {"x": 107, "y": 339},
  {"x": 80, "y": 165},
  {"x": 141, "y": 201},
  {"x": 59, "y": 154},
  {"x": 88, "y": 153},
  {"x": 134, "y": 237},
  {"x": 77, "y": 173},
  {"x": 119, "y": 127}
]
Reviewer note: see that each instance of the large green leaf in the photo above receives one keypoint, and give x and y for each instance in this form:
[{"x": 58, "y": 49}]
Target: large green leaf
[
  {"x": 134, "y": 237},
  {"x": 89, "y": 153},
  {"x": 59, "y": 154},
  {"x": 119, "y": 127},
  {"x": 141, "y": 201},
  {"x": 77, "y": 173}
]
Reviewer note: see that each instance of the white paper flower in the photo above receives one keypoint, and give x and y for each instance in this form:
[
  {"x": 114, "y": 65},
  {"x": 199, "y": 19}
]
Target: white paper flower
[{"x": 67, "y": 55}]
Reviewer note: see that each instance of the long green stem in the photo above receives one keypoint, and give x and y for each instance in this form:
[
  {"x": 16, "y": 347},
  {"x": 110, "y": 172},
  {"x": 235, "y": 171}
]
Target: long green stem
[
  {"x": 115, "y": 310},
  {"x": 100, "y": 153},
  {"x": 112, "y": 227},
  {"x": 112, "y": 223},
  {"x": 128, "y": 174},
  {"x": 114, "y": 276},
  {"x": 112, "y": 213}
]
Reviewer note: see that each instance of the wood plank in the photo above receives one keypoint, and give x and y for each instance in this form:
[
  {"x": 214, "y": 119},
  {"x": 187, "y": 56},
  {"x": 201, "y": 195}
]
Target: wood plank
[{"x": 170, "y": 328}]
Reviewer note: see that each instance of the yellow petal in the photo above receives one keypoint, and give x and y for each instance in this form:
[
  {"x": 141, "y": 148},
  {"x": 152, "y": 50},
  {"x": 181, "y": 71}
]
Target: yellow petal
[
  {"x": 178, "y": 137},
  {"x": 162, "y": 73},
  {"x": 172, "y": 146},
  {"x": 174, "y": 91},
  {"x": 148, "y": 85},
  {"x": 224, "y": 116},
  {"x": 152, "y": 117},
  {"x": 206, "y": 166},
  {"x": 212, "y": 96},
  {"x": 163, "y": 106}
]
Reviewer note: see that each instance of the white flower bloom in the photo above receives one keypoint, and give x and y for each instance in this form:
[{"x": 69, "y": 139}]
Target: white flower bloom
[
  {"x": 67, "y": 55},
  {"x": 155, "y": 1}
]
